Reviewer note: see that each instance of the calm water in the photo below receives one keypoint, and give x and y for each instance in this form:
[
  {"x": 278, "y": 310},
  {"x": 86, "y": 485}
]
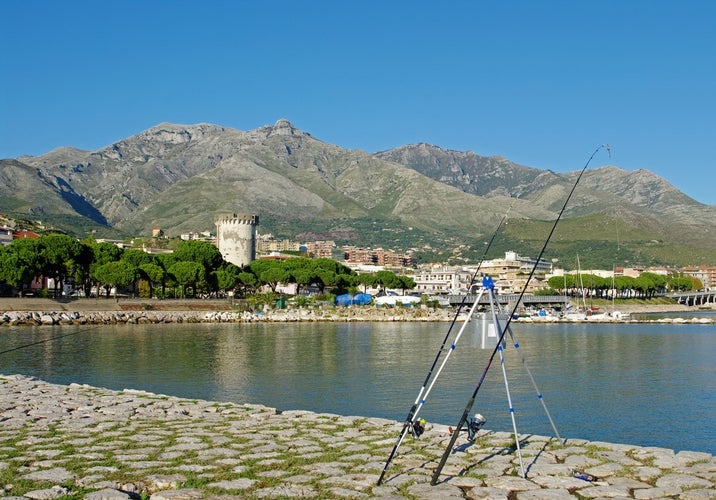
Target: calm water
[{"x": 644, "y": 384}]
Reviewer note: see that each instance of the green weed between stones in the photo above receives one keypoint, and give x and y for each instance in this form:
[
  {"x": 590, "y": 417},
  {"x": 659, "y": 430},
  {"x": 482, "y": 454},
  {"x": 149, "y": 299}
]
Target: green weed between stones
[
  {"x": 194, "y": 481},
  {"x": 555, "y": 444},
  {"x": 52, "y": 432}
]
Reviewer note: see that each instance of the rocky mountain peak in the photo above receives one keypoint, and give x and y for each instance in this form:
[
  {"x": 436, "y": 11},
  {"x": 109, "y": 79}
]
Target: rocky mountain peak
[
  {"x": 177, "y": 134},
  {"x": 179, "y": 176},
  {"x": 283, "y": 127}
]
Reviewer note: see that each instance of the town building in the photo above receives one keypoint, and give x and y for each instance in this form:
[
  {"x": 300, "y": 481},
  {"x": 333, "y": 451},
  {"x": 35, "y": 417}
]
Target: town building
[
  {"x": 441, "y": 280},
  {"x": 510, "y": 273},
  {"x": 197, "y": 236},
  {"x": 357, "y": 255},
  {"x": 394, "y": 259},
  {"x": 18, "y": 235},
  {"x": 266, "y": 244},
  {"x": 509, "y": 276},
  {"x": 707, "y": 275},
  {"x": 321, "y": 249},
  {"x": 5, "y": 235},
  {"x": 379, "y": 257}
]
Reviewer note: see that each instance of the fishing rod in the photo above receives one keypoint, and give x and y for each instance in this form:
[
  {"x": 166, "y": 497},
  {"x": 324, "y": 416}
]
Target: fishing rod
[
  {"x": 422, "y": 394},
  {"x": 50, "y": 339},
  {"x": 498, "y": 345}
]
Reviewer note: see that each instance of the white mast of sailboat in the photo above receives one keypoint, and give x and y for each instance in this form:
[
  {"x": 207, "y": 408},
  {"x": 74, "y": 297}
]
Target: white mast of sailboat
[{"x": 581, "y": 284}]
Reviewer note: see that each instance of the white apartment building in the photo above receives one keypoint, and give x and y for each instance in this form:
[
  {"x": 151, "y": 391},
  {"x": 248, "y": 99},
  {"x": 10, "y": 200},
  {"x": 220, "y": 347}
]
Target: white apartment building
[
  {"x": 441, "y": 280},
  {"x": 509, "y": 275}
]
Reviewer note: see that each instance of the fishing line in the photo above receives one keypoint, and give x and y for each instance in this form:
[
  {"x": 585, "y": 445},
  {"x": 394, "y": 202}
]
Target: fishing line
[
  {"x": 49, "y": 339},
  {"x": 471, "y": 401},
  {"x": 422, "y": 395}
]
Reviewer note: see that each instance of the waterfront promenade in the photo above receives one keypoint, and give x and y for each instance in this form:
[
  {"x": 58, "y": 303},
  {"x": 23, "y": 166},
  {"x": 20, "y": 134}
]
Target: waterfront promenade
[{"x": 79, "y": 441}]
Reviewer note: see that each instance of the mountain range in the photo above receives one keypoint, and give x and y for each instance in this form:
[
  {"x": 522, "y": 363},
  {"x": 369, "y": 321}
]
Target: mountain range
[{"x": 444, "y": 205}]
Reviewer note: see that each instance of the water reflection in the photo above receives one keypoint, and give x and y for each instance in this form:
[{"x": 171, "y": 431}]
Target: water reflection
[{"x": 647, "y": 384}]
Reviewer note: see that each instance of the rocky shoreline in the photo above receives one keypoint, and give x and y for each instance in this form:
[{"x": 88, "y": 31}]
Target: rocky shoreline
[
  {"x": 37, "y": 318},
  {"x": 36, "y": 312},
  {"x": 79, "y": 441}
]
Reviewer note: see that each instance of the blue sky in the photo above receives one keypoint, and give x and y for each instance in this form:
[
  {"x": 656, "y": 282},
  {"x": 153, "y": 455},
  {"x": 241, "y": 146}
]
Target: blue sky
[{"x": 542, "y": 83}]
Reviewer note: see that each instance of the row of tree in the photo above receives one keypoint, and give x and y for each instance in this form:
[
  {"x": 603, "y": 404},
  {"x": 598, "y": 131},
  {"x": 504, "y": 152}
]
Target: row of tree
[
  {"x": 195, "y": 265},
  {"x": 645, "y": 286},
  {"x": 198, "y": 266}
]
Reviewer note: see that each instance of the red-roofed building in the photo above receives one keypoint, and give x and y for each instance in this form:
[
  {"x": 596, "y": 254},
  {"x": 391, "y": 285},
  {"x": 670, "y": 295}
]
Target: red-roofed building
[{"x": 25, "y": 234}]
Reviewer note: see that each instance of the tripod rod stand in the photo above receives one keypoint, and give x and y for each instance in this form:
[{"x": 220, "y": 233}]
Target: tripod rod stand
[{"x": 499, "y": 347}]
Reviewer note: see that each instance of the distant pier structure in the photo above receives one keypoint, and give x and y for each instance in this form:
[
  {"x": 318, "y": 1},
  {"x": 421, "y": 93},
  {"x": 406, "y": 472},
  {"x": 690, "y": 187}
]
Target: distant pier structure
[{"x": 236, "y": 237}]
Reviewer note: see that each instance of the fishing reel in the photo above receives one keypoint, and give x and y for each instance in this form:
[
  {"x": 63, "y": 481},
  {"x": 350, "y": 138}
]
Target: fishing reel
[
  {"x": 418, "y": 427},
  {"x": 474, "y": 425}
]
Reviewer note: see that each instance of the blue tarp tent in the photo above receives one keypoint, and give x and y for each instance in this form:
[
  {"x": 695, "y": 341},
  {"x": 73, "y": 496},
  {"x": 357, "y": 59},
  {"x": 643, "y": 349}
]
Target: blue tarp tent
[
  {"x": 362, "y": 299},
  {"x": 344, "y": 300},
  {"x": 359, "y": 299}
]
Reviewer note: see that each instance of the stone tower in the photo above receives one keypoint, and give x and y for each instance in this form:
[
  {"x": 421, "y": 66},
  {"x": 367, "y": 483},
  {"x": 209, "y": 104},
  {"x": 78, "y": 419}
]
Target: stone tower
[{"x": 236, "y": 237}]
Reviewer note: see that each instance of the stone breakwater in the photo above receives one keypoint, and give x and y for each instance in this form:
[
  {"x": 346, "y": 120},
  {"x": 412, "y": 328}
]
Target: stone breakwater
[
  {"x": 36, "y": 318},
  {"x": 37, "y": 311},
  {"x": 79, "y": 441},
  {"x": 340, "y": 314}
]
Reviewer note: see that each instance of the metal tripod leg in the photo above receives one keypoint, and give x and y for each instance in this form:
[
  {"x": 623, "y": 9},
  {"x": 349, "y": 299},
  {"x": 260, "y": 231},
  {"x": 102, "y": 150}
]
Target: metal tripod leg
[{"x": 507, "y": 385}]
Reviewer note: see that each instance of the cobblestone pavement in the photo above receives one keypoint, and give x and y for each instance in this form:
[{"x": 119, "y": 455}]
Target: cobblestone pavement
[{"x": 78, "y": 441}]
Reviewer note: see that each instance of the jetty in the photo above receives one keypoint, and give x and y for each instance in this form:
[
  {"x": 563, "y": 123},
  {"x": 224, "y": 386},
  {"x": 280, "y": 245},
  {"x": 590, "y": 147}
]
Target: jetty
[
  {"x": 78, "y": 441},
  {"x": 49, "y": 312}
]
